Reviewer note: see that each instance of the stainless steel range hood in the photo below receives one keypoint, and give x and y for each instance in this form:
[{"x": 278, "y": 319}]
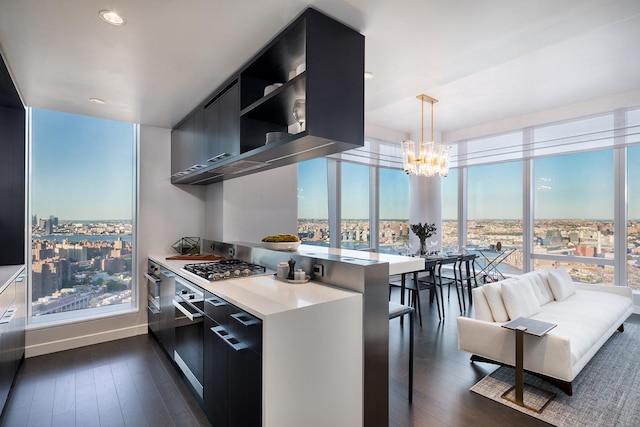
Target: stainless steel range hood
[{"x": 269, "y": 156}]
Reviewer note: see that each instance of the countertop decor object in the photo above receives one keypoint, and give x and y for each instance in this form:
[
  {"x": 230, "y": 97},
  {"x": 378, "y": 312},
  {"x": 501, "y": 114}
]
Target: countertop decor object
[
  {"x": 423, "y": 232},
  {"x": 187, "y": 246},
  {"x": 281, "y": 246}
]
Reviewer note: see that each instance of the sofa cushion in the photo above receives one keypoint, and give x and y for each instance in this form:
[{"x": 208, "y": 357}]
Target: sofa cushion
[
  {"x": 538, "y": 280},
  {"x": 492, "y": 291},
  {"x": 519, "y": 298},
  {"x": 481, "y": 308},
  {"x": 561, "y": 283}
]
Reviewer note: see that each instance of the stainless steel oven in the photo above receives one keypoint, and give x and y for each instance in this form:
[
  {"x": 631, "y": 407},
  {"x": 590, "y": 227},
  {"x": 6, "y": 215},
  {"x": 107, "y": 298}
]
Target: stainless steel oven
[{"x": 189, "y": 331}]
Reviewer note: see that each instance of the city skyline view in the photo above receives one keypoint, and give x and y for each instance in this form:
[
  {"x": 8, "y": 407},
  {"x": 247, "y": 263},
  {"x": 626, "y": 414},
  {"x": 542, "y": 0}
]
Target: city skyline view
[{"x": 81, "y": 207}]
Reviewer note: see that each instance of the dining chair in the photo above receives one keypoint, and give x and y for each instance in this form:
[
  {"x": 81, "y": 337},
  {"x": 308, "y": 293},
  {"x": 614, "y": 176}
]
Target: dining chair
[
  {"x": 413, "y": 295},
  {"x": 430, "y": 282},
  {"x": 398, "y": 310},
  {"x": 468, "y": 277},
  {"x": 445, "y": 280}
]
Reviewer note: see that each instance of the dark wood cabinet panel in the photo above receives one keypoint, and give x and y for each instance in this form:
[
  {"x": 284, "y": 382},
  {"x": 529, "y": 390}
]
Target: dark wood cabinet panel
[
  {"x": 315, "y": 59},
  {"x": 229, "y": 128},
  {"x": 12, "y": 172},
  {"x": 187, "y": 144},
  {"x": 221, "y": 126}
]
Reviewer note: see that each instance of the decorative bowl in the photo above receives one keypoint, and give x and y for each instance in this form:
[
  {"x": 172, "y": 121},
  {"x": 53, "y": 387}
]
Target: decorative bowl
[{"x": 281, "y": 246}]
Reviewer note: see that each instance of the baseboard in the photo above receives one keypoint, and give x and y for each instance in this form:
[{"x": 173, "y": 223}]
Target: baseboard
[{"x": 84, "y": 340}]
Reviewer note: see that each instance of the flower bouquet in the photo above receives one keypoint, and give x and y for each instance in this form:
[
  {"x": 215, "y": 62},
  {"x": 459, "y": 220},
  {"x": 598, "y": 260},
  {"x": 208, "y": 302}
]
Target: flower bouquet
[{"x": 423, "y": 231}]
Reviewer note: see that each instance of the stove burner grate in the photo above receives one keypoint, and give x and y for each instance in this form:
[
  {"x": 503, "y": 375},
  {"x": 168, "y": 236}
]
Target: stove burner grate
[{"x": 225, "y": 269}]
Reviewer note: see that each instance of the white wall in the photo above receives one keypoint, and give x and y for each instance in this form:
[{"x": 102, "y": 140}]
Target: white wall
[
  {"x": 166, "y": 213},
  {"x": 253, "y": 206}
]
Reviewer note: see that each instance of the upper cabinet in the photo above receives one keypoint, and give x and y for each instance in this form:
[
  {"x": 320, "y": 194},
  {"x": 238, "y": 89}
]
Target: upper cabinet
[
  {"x": 12, "y": 171},
  {"x": 300, "y": 97}
]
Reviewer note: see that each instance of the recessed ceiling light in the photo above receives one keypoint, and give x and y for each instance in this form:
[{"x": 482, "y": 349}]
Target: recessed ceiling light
[
  {"x": 97, "y": 101},
  {"x": 368, "y": 75},
  {"x": 111, "y": 17}
]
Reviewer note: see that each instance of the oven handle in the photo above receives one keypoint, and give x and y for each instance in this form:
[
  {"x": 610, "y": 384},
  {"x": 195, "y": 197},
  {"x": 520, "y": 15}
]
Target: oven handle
[
  {"x": 227, "y": 337},
  {"x": 190, "y": 316},
  {"x": 152, "y": 278}
]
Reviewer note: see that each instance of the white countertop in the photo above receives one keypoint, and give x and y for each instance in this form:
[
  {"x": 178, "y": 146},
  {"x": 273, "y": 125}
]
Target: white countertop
[
  {"x": 261, "y": 295},
  {"x": 397, "y": 263},
  {"x": 8, "y": 273}
]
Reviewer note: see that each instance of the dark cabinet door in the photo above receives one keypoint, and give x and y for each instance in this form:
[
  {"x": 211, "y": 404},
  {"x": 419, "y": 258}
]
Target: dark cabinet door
[
  {"x": 245, "y": 388},
  {"x": 222, "y": 125},
  {"x": 215, "y": 375},
  {"x": 233, "y": 365},
  {"x": 186, "y": 143},
  {"x": 229, "y": 131},
  {"x": 211, "y": 133}
]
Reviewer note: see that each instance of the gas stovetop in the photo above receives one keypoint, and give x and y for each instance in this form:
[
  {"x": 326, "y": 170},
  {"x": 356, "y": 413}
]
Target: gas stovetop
[{"x": 224, "y": 269}]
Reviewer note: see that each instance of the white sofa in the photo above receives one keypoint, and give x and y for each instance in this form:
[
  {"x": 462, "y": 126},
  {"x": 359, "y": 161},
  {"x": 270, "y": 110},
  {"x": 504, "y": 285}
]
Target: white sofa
[{"x": 586, "y": 316}]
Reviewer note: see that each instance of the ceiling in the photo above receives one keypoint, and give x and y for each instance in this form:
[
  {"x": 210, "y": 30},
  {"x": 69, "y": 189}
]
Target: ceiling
[{"x": 484, "y": 61}]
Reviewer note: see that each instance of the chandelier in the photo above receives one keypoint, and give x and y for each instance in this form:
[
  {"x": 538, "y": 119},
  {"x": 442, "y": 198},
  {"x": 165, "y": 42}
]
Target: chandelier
[{"x": 431, "y": 159}]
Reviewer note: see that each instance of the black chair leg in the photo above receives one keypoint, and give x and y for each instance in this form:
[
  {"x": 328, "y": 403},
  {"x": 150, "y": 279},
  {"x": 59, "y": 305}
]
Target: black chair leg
[{"x": 410, "y": 357}]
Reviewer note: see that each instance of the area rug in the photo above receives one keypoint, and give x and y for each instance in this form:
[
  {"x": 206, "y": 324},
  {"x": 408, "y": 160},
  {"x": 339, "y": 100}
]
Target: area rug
[{"x": 605, "y": 393}]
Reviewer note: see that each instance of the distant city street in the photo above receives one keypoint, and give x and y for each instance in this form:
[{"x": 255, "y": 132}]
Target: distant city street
[{"x": 79, "y": 264}]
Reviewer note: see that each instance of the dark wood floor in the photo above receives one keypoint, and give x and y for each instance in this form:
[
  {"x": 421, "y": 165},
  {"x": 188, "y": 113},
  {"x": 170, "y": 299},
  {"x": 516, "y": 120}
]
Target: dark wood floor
[{"x": 130, "y": 382}]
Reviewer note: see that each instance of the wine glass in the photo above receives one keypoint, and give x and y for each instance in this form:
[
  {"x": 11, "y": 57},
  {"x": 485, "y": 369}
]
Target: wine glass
[
  {"x": 299, "y": 112},
  {"x": 412, "y": 248},
  {"x": 434, "y": 246}
]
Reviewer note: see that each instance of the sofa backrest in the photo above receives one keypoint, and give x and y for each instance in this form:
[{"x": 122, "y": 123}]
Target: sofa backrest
[{"x": 489, "y": 301}]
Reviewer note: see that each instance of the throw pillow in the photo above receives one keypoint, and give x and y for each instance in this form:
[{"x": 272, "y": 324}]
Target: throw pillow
[
  {"x": 540, "y": 286},
  {"x": 519, "y": 299},
  {"x": 498, "y": 310},
  {"x": 561, "y": 284}
]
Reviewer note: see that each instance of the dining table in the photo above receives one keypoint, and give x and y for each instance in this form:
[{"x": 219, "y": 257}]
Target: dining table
[{"x": 430, "y": 265}]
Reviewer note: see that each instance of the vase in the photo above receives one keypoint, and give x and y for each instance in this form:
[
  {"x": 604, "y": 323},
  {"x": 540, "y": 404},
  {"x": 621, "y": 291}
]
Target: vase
[{"x": 423, "y": 246}]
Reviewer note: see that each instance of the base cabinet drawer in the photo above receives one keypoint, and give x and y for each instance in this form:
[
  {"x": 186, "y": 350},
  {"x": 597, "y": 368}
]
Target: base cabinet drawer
[{"x": 232, "y": 394}]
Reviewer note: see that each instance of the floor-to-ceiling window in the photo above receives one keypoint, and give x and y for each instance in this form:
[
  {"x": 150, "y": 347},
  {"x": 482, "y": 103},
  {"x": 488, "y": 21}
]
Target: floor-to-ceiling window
[
  {"x": 551, "y": 194},
  {"x": 354, "y": 227},
  {"x": 393, "y": 228},
  {"x": 573, "y": 214},
  {"x": 82, "y": 206},
  {"x": 494, "y": 217},
  {"x": 313, "y": 209},
  {"x": 450, "y": 211},
  {"x": 633, "y": 217}
]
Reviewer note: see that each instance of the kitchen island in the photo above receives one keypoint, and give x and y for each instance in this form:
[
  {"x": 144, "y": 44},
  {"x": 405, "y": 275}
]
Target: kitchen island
[
  {"x": 312, "y": 346},
  {"x": 322, "y": 324}
]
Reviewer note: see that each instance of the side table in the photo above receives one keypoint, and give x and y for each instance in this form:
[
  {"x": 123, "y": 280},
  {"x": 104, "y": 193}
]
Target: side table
[{"x": 538, "y": 329}]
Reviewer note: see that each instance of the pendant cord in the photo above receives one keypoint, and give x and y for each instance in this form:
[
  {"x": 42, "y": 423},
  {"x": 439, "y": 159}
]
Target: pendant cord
[
  {"x": 432, "y": 123},
  {"x": 422, "y": 117}
]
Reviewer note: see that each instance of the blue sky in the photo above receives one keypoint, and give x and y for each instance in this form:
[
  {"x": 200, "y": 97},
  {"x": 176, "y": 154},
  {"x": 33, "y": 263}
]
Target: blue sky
[
  {"x": 573, "y": 186},
  {"x": 82, "y": 167}
]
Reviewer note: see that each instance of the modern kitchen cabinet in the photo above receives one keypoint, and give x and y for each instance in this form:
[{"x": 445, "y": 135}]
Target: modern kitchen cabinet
[
  {"x": 221, "y": 126},
  {"x": 233, "y": 365},
  {"x": 315, "y": 60},
  {"x": 12, "y": 325},
  {"x": 187, "y": 144},
  {"x": 12, "y": 172},
  {"x": 302, "y": 364}
]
